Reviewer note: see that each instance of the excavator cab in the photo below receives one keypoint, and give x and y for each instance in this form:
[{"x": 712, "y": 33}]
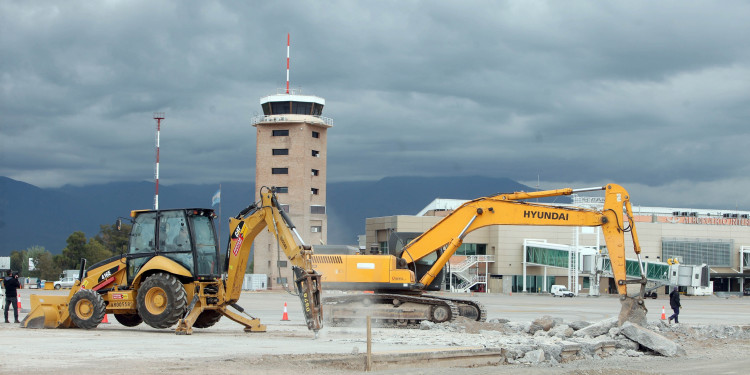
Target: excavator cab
[{"x": 185, "y": 236}]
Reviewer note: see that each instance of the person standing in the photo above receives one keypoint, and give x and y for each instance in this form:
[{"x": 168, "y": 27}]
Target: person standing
[
  {"x": 11, "y": 283},
  {"x": 674, "y": 303}
]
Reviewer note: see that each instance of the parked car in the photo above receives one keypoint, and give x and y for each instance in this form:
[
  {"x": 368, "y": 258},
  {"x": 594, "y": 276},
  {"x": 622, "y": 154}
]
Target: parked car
[
  {"x": 560, "y": 291},
  {"x": 66, "y": 282}
]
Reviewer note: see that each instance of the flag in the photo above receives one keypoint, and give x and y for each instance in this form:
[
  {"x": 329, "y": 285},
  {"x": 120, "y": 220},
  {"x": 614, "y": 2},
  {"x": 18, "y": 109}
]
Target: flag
[{"x": 216, "y": 199}]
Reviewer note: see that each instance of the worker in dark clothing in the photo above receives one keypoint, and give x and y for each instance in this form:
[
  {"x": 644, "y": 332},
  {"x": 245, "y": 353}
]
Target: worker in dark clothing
[
  {"x": 674, "y": 303},
  {"x": 10, "y": 284}
]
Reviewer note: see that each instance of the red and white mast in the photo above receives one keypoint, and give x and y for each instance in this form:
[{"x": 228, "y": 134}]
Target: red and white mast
[
  {"x": 287, "y": 62},
  {"x": 158, "y": 116}
]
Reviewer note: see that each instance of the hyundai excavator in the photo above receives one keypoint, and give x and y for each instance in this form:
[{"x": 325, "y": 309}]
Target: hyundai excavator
[
  {"x": 171, "y": 273},
  {"x": 397, "y": 285}
]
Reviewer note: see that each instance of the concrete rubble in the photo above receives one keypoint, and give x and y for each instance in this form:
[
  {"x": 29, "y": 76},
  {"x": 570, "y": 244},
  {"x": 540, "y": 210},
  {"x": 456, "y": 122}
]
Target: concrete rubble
[{"x": 548, "y": 340}]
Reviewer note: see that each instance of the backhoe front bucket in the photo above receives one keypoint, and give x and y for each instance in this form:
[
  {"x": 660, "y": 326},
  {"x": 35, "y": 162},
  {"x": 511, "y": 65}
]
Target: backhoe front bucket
[
  {"x": 633, "y": 310},
  {"x": 48, "y": 312}
]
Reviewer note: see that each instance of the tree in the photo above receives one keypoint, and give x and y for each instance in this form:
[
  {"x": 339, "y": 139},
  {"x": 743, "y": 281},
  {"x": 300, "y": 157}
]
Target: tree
[
  {"x": 44, "y": 264},
  {"x": 93, "y": 251},
  {"x": 114, "y": 240},
  {"x": 19, "y": 262}
]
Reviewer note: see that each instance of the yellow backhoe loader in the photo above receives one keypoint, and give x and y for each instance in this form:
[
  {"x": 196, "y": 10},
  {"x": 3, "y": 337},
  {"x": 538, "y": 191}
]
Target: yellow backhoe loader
[
  {"x": 399, "y": 282},
  {"x": 171, "y": 273}
]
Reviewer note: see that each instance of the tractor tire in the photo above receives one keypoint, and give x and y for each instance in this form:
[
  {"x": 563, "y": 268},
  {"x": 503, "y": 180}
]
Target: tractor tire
[
  {"x": 161, "y": 300},
  {"x": 129, "y": 320},
  {"x": 207, "y": 319},
  {"x": 86, "y": 309}
]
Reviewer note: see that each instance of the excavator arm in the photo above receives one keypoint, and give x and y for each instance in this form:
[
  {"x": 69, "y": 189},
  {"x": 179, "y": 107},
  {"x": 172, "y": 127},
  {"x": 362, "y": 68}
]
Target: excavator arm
[
  {"x": 510, "y": 209},
  {"x": 246, "y": 226}
]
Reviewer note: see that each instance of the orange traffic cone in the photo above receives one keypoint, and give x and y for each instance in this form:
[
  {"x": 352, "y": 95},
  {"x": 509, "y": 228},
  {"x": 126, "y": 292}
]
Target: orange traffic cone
[
  {"x": 19, "y": 301},
  {"x": 663, "y": 315},
  {"x": 285, "y": 316},
  {"x": 105, "y": 320}
]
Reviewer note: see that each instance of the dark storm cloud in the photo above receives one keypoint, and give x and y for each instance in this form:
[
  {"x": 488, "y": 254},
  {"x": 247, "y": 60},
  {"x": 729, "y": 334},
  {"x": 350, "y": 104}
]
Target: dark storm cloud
[{"x": 653, "y": 96}]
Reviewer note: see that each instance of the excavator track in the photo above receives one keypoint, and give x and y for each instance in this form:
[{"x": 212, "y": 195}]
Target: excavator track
[
  {"x": 467, "y": 308},
  {"x": 388, "y": 310}
]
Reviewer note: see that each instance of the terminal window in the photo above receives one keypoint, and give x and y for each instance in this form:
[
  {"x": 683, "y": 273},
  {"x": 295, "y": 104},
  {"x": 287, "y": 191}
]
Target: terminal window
[{"x": 698, "y": 251}]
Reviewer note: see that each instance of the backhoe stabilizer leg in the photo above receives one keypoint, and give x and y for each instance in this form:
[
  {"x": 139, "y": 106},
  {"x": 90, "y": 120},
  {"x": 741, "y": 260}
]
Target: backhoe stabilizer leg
[
  {"x": 308, "y": 287},
  {"x": 633, "y": 310},
  {"x": 251, "y": 325},
  {"x": 185, "y": 325}
]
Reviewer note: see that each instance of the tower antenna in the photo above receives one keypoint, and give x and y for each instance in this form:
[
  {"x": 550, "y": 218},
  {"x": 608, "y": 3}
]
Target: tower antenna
[
  {"x": 288, "y": 38},
  {"x": 158, "y": 116}
]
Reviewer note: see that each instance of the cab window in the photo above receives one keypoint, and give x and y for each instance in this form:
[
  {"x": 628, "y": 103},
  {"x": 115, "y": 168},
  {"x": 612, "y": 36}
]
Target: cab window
[
  {"x": 205, "y": 246},
  {"x": 174, "y": 238},
  {"x": 142, "y": 242}
]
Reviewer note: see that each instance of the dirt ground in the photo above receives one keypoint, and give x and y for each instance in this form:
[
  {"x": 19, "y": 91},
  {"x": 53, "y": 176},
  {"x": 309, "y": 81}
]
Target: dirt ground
[{"x": 715, "y": 341}]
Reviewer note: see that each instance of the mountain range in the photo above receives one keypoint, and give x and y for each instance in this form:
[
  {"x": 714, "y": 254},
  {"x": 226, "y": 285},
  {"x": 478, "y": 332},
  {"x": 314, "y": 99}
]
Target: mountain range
[{"x": 31, "y": 216}]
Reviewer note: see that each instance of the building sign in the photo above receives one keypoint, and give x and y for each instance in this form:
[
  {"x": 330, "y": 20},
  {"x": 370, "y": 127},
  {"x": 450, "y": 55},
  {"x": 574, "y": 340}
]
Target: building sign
[{"x": 692, "y": 220}]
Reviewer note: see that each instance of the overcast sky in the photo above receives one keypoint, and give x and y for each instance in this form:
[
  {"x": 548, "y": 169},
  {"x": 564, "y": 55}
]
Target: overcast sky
[{"x": 654, "y": 96}]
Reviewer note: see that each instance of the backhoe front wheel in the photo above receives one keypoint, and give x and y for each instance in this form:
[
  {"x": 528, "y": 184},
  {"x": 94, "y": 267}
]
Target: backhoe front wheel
[
  {"x": 86, "y": 309},
  {"x": 161, "y": 300}
]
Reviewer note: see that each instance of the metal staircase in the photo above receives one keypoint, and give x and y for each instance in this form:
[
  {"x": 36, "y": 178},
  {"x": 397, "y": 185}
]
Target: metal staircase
[{"x": 468, "y": 273}]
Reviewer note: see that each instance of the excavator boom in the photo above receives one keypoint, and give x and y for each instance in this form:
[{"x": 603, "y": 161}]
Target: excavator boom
[{"x": 445, "y": 237}]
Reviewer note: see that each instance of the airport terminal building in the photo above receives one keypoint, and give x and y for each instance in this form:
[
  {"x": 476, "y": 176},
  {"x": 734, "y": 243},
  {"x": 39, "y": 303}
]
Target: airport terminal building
[{"x": 515, "y": 258}]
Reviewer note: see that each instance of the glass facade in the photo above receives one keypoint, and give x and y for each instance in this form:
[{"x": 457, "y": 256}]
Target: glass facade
[
  {"x": 716, "y": 253},
  {"x": 534, "y": 284},
  {"x": 653, "y": 271},
  {"x": 550, "y": 257},
  {"x": 472, "y": 249}
]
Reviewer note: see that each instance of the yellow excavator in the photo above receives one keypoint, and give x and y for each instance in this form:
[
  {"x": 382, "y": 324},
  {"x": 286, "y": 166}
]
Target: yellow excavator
[
  {"x": 397, "y": 284},
  {"x": 171, "y": 273}
]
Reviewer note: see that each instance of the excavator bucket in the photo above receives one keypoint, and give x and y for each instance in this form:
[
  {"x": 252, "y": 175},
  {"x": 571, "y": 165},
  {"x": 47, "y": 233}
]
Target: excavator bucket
[
  {"x": 48, "y": 312},
  {"x": 308, "y": 287},
  {"x": 633, "y": 310}
]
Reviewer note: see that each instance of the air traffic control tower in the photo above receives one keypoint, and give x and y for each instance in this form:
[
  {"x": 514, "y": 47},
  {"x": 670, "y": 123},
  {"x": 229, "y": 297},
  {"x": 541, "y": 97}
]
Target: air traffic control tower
[{"x": 291, "y": 155}]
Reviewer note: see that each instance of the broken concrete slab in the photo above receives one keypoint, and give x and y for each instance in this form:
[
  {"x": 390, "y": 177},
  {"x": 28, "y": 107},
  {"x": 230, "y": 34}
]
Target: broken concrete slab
[
  {"x": 533, "y": 357},
  {"x": 597, "y": 329},
  {"x": 651, "y": 340}
]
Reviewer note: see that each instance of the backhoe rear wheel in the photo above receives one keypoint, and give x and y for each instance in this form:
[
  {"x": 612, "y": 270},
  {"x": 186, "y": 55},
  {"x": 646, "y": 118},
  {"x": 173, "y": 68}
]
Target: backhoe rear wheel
[
  {"x": 86, "y": 309},
  {"x": 207, "y": 318},
  {"x": 161, "y": 300},
  {"x": 129, "y": 320}
]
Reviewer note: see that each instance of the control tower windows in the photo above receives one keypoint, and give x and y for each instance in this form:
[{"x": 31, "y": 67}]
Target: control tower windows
[
  {"x": 315, "y": 153},
  {"x": 316, "y": 134},
  {"x": 292, "y": 108},
  {"x": 280, "y": 151},
  {"x": 281, "y": 133},
  {"x": 279, "y": 170},
  {"x": 315, "y": 172}
]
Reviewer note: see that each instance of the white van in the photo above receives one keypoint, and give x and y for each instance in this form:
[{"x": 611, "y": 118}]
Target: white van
[{"x": 560, "y": 291}]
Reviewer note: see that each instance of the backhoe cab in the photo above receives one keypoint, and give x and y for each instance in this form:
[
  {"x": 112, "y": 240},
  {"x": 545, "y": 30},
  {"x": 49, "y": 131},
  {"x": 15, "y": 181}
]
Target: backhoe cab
[{"x": 172, "y": 274}]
